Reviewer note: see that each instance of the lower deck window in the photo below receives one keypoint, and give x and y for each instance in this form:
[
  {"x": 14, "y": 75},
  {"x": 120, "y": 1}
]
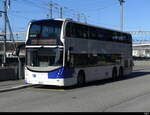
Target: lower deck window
[{"x": 95, "y": 59}]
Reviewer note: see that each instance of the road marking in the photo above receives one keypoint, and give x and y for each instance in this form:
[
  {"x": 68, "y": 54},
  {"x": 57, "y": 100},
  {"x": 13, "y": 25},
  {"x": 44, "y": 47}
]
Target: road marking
[{"x": 19, "y": 86}]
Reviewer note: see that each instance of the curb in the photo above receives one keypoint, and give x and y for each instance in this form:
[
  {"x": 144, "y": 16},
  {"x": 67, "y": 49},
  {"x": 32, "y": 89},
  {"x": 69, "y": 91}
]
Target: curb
[{"x": 16, "y": 87}]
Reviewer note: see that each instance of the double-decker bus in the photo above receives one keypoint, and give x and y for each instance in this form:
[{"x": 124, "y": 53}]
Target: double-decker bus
[{"x": 63, "y": 52}]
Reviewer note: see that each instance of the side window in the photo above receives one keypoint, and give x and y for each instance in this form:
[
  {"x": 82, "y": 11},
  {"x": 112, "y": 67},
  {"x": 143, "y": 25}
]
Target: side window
[
  {"x": 77, "y": 31},
  {"x": 126, "y": 63},
  {"x": 129, "y": 38},
  {"x": 114, "y": 36},
  {"x": 80, "y": 60},
  {"x": 80, "y": 31},
  {"x": 74, "y": 30},
  {"x": 110, "y": 34},
  {"x": 105, "y": 34},
  {"x": 93, "y": 33},
  {"x": 100, "y": 34},
  {"x": 85, "y": 32},
  {"x": 93, "y": 59},
  {"x": 68, "y": 30}
]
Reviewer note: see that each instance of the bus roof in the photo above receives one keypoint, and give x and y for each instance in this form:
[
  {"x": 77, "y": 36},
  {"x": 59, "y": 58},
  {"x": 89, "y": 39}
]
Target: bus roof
[
  {"x": 71, "y": 20},
  {"x": 46, "y": 20},
  {"x": 98, "y": 26}
]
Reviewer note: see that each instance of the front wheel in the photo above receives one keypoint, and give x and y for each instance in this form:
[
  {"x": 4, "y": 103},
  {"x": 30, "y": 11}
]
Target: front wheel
[
  {"x": 114, "y": 74},
  {"x": 81, "y": 79}
]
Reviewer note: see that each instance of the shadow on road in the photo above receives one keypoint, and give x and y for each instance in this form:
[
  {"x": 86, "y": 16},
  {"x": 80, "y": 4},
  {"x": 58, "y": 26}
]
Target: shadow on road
[
  {"x": 97, "y": 83},
  {"x": 133, "y": 75},
  {"x": 136, "y": 74}
]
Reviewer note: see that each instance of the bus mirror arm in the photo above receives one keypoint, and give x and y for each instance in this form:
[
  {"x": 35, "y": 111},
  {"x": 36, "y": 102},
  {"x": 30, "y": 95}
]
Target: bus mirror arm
[{"x": 18, "y": 49}]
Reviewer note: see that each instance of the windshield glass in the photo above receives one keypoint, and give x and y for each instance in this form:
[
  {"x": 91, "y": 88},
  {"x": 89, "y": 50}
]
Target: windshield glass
[
  {"x": 44, "y": 32},
  {"x": 44, "y": 57}
]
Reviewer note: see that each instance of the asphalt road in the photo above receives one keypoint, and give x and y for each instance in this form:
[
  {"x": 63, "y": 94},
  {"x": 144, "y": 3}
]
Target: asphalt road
[{"x": 131, "y": 94}]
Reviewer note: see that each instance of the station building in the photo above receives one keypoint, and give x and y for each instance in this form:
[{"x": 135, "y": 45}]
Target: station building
[
  {"x": 141, "y": 50},
  {"x": 10, "y": 50}
]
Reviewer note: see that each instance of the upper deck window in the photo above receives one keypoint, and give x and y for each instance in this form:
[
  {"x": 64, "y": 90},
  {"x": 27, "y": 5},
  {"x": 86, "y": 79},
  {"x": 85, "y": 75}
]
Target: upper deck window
[
  {"x": 44, "y": 32},
  {"x": 81, "y": 31}
]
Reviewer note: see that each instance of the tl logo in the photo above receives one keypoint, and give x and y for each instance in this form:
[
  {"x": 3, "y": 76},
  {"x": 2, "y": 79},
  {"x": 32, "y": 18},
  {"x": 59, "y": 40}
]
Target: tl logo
[{"x": 34, "y": 75}]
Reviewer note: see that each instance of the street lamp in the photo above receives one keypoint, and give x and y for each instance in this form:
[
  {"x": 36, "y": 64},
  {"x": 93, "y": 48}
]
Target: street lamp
[{"x": 121, "y": 14}]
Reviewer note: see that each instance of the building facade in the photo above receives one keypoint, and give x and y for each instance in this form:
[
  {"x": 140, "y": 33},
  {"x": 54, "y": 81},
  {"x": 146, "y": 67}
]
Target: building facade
[{"x": 142, "y": 50}]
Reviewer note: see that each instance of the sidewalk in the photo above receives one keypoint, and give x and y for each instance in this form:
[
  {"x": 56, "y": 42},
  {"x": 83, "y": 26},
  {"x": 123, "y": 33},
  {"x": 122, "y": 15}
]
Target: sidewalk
[{"x": 13, "y": 85}]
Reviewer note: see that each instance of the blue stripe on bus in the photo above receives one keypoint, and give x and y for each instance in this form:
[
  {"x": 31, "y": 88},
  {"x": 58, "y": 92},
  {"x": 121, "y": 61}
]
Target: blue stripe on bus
[{"x": 61, "y": 73}]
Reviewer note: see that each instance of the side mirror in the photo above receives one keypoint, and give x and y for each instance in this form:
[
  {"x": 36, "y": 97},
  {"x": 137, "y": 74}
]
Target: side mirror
[
  {"x": 69, "y": 56},
  {"x": 68, "y": 53}
]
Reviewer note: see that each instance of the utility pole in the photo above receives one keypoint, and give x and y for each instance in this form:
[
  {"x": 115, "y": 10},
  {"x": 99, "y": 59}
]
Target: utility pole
[
  {"x": 51, "y": 9},
  {"x": 121, "y": 14},
  {"x": 85, "y": 19},
  {"x": 5, "y": 30},
  {"x": 61, "y": 12},
  {"x": 78, "y": 17}
]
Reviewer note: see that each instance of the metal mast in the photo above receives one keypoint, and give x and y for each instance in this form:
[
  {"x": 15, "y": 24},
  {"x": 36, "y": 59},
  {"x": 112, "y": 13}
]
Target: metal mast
[
  {"x": 5, "y": 30},
  {"x": 121, "y": 14}
]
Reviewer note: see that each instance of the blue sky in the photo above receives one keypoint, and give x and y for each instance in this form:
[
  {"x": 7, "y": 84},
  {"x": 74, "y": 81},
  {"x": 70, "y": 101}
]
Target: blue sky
[{"x": 105, "y": 13}]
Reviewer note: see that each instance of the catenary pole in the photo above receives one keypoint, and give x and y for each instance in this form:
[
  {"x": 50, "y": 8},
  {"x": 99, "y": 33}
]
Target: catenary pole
[
  {"x": 5, "y": 31},
  {"x": 121, "y": 14},
  {"x": 61, "y": 14},
  {"x": 51, "y": 9}
]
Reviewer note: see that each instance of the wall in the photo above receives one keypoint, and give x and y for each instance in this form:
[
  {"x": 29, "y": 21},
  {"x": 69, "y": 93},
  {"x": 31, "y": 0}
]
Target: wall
[{"x": 8, "y": 74}]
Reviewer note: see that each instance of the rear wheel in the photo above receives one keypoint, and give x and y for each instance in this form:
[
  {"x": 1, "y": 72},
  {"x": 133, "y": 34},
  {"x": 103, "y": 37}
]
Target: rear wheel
[
  {"x": 121, "y": 73},
  {"x": 114, "y": 74}
]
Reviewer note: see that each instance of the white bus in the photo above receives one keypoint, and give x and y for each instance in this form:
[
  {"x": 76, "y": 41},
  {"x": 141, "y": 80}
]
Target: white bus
[{"x": 63, "y": 52}]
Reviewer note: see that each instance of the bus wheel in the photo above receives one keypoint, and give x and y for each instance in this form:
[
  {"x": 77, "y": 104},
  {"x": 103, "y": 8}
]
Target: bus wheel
[
  {"x": 81, "y": 79},
  {"x": 114, "y": 74},
  {"x": 121, "y": 73}
]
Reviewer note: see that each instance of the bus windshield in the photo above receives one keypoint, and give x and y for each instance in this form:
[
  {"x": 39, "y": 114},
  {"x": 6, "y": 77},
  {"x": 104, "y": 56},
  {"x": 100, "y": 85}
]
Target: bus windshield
[
  {"x": 44, "y": 58},
  {"x": 44, "y": 32}
]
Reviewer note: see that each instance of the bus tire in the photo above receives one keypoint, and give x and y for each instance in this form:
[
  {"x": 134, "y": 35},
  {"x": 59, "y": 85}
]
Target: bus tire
[
  {"x": 114, "y": 74},
  {"x": 81, "y": 79},
  {"x": 121, "y": 72}
]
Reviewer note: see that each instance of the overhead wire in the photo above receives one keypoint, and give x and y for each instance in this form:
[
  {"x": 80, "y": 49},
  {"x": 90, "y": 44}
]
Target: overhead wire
[{"x": 67, "y": 12}]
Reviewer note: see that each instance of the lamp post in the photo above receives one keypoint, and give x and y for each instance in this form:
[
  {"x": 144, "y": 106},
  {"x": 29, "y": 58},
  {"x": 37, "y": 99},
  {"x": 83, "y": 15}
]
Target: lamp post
[{"x": 121, "y": 14}]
